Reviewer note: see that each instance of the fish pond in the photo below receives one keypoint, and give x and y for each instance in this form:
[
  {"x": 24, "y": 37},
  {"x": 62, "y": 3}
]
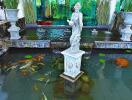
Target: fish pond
[
  {"x": 34, "y": 75},
  {"x": 63, "y": 35}
]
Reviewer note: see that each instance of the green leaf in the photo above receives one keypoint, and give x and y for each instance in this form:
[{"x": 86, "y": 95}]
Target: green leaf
[
  {"x": 28, "y": 56},
  {"x": 101, "y": 54},
  {"x": 11, "y": 4},
  {"x": 102, "y": 61}
]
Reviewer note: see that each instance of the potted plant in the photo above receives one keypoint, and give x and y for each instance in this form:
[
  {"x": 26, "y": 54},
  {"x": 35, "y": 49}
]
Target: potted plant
[
  {"x": 127, "y": 15},
  {"x": 11, "y": 14}
]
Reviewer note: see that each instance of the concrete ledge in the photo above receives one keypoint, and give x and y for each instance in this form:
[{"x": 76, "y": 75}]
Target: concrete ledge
[
  {"x": 30, "y": 43},
  {"x": 113, "y": 45},
  {"x": 62, "y": 45}
]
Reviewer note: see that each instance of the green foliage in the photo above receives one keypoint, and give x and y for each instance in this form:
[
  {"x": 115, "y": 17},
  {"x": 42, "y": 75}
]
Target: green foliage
[
  {"x": 54, "y": 8},
  {"x": 38, "y": 2},
  {"x": 64, "y": 11},
  {"x": 86, "y": 6},
  {"x": 128, "y": 5},
  {"x": 11, "y": 4},
  {"x": 118, "y": 5},
  {"x": 103, "y": 10},
  {"x": 32, "y": 36},
  {"x": 29, "y": 11}
]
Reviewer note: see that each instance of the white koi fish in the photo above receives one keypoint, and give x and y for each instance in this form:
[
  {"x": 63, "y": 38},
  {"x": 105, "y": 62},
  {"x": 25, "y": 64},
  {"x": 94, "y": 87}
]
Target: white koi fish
[{"x": 26, "y": 65}]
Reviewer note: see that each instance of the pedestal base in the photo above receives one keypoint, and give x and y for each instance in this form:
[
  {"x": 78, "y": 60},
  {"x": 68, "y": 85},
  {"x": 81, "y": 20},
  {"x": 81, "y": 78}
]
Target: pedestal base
[
  {"x": 70, "y": 78},
  {"x": 16, "y": 37},
  {"x": 72, "y": 63},
  {"x": 14, "y": 32}
]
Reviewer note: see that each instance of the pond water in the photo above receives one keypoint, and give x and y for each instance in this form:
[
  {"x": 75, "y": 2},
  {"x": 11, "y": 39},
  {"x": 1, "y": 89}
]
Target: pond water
[
  {"x": 64, "y": 35},
  {"x": 35, "y": 76}
]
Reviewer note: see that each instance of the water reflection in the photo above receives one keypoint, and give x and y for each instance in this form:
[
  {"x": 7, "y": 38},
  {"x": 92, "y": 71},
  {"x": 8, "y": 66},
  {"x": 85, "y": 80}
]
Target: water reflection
[
  {"x": 100, "y": 71},
  {"x": 66, "y": 90},
  {"x": 71, "y": 88},
  {"x": 102, "y": 79},
  {"x": 118, "y": 73},
  {"x": 64, "y": 35}
]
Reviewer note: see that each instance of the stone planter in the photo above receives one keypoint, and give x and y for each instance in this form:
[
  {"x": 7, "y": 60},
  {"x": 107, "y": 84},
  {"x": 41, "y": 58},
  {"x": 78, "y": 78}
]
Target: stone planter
[
  {"x": 12, "y": 18},
  {"x": 127, "y": 32}
]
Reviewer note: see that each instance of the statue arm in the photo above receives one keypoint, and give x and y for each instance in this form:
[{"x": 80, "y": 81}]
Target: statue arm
[{"x": 71, "y": 23}]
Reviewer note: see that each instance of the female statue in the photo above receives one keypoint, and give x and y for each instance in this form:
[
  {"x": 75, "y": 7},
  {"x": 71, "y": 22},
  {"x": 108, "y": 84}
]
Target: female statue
[{"x": 77, "y": 23}]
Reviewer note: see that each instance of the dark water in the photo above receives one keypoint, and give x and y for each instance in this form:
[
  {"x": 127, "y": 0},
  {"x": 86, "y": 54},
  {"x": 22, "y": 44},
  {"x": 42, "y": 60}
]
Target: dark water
[{"x": 105, "y": 80}]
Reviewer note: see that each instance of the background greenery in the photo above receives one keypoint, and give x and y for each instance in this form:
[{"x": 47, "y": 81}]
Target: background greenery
[
  {"x": 11, "y": 4},
  {"x": 127, "y": 5},
  {"x": 102, "y": 12},
  {"x": 29, "y": 11}
]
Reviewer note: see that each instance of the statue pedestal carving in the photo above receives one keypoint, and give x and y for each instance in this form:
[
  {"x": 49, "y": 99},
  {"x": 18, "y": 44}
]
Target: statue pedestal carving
[{"x": 72, "y": 63}]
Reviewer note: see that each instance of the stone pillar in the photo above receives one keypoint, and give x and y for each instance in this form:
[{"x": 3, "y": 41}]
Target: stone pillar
[{"x": 72, "y": 63}]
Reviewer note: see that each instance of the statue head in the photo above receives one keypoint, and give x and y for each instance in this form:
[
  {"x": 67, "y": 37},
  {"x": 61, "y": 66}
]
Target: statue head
[{"x": 77, "y": 6}]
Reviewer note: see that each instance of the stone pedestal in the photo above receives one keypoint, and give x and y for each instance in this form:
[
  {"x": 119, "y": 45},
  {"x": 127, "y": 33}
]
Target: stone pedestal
[
  {"x": 14, "y": 31},
  {"x": 72, "y": 64},
  {"x": 126, "y": 33},
  {"x": 70, "y": 88}
]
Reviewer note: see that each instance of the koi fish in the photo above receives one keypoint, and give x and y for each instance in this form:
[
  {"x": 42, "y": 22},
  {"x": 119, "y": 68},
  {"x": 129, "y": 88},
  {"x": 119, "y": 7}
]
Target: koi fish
[
  {"x": 36, "y": 87},
  {"x": 33, "y": 69},
  {"x": 25, "y": 61},
  {"x": 26, "y": 65},
  {"x": 47, "y": 82},
  {"x": 41, "y": 78},
  {"x": 43, "y": 96},
  {"x": 11, "y": 68},
  {"x": 38, "y": 57},
  {"x": 42, "y": 64}
]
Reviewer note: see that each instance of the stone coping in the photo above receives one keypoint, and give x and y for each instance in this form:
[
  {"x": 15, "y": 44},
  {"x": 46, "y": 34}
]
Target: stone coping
[
  {"x": 113, "y": 45},
  {"x": 50, "y": 44}
]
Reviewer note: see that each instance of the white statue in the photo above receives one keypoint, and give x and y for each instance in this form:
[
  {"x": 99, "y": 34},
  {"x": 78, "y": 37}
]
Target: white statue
[
  {"x": 77, "y": 23},
  {"x": 73, "y": 55}
]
